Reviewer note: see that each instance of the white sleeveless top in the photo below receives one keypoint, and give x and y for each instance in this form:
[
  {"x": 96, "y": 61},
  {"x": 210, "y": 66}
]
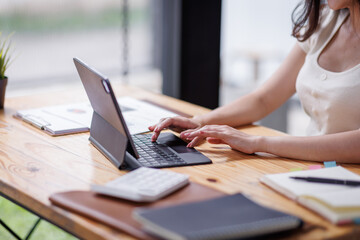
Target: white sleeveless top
[{"x": 331, "y": 99}]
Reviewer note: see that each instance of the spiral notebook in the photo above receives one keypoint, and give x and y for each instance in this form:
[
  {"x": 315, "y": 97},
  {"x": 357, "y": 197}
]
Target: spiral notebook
[
  {"x": 227, "y": 217},
  {"x": 339, "y": 204}
]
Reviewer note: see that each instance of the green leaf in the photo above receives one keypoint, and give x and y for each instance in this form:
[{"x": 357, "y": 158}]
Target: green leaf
[{"x": 5, "y": 57}]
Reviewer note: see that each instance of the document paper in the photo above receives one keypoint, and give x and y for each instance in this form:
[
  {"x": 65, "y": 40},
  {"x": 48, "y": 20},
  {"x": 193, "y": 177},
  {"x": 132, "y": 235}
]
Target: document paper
[{"x": 72, "y": 118}]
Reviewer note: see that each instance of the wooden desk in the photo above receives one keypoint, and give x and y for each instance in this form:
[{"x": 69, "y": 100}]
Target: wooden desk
[{"x": 35, "y": 165}]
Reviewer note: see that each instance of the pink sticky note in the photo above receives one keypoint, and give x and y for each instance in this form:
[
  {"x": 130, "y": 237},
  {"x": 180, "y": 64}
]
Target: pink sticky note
[
  {"x": 345, "y": 222},
  {"x": 313, "y": 167}
]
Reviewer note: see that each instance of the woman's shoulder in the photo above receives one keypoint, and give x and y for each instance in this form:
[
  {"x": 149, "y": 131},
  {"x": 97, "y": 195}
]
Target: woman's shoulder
[{"x": 329, "y": 21}]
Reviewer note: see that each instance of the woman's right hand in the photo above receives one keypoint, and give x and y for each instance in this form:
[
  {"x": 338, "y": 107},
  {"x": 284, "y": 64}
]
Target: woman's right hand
[{"x": 177, "y": 124}]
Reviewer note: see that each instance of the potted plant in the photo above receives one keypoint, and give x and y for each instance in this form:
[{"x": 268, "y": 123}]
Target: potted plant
[{"x": 4, "y": 64}]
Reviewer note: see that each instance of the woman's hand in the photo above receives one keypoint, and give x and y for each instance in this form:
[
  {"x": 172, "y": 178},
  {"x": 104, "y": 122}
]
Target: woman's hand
[
  {"x": 222, "y": 134},
  {"x": 177, "y": 124}
]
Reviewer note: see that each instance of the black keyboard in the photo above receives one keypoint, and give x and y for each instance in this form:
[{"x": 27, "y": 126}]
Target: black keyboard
[{"x": 153, "y": 154}]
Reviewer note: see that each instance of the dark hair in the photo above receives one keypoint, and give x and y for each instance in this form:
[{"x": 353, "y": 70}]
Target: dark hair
[{"x": 309, "y": 14}]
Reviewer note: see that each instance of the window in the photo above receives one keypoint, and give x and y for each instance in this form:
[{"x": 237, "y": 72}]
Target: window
[
  {"x": 256, "y": 37},
  {"x": 48, "y": 34}
]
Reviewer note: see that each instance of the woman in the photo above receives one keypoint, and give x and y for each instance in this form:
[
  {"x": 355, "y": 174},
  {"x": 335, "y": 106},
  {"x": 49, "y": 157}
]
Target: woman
[{"x": 323, "y": 68}]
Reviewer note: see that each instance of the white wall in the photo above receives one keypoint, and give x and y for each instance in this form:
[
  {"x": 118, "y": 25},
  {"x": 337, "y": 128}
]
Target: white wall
[
  {"x": 256, "y": 29},
  {"x": 257, "y": 24}
]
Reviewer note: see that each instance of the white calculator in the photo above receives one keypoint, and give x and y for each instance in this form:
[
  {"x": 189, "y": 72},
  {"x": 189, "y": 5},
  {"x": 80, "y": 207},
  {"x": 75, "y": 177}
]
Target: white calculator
[{"x": 143, "y": 184}]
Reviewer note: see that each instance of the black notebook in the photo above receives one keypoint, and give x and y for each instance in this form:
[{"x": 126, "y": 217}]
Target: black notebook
[{"x": 228, "y": 217}]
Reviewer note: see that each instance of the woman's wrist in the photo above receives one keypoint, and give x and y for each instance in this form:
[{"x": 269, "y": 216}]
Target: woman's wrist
[
  {"x": 262, "y": 144},
  {"x": 207, "y": 119},
  {"x": 199, "y": 119}
]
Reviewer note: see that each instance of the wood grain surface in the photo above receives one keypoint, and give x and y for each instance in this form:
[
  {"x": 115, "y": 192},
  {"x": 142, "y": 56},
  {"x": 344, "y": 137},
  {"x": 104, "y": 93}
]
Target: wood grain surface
[{"x": 34, "y": 165}]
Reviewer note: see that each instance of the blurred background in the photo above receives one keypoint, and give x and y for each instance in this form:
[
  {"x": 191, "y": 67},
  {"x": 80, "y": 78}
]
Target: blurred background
[
  {"x": 122, "y": 36},
  {"x": 121, "y": 39}
]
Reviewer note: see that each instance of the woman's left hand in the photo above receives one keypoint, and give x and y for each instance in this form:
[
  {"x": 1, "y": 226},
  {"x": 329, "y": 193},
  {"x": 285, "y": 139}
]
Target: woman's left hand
[{"x": 222, "y": 134}]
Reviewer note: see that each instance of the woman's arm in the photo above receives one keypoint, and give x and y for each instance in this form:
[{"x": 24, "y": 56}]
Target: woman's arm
[
  {"x": 264, "y": 100},
  {"x": 249, "y": 108},
  {"x": 341, "y": 147}
]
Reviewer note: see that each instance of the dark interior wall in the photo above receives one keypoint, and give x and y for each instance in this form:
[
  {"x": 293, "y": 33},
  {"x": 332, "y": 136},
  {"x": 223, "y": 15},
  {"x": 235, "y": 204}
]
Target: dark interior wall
[
  {"x": 200, "y": 52},
  {"x": 191, "y": 50}
]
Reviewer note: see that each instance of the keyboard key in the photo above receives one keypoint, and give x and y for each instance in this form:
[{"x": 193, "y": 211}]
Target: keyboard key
[
  {"x": 143, "y": 184},
  {"x": 155, "y": 155}
]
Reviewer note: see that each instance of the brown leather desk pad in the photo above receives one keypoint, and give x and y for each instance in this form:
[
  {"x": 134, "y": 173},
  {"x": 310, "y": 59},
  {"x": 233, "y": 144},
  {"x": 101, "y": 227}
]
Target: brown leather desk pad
[{"x": 117, "y": 213}]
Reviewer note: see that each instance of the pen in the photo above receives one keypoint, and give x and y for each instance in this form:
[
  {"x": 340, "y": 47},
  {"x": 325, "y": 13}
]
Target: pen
[{"x": 329, "y": 181}]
